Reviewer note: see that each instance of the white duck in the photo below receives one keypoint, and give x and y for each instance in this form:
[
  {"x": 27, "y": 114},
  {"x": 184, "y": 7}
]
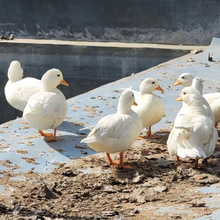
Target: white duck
[
  {"x": 212, "y": 98},
  {"x": 116, "y": 132},
  {"x": 194, "y": 136},
  {"x": 150, "y": 106},
  {"x": 197, "y": 84},
  {"x": 47, "y": 108},
  {"x": 18, "y": 90}
]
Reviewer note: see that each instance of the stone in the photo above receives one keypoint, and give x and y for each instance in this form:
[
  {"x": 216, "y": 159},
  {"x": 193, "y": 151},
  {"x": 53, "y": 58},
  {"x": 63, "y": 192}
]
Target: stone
[
  {"x": 138, "y": 179},
  {"x": 109, "y": 189},
  {"x": 197, "y": 203},
  {"x": 143, "y": 195},
  {"x": 109, "y": 213},
  {"x": 12, "y": 37},
  {"x": 205, "y": 179},
  {"x": 160, "y": 189},
  {"x": 190, "y": 60},
  {"x": 196, "y": 51}
]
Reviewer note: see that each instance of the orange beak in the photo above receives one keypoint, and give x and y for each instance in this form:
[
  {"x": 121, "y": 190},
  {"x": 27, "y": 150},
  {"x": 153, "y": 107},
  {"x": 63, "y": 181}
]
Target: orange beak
[
  {"x": 160, "y": 89},
  {"x": 179, "y": 99},
  {"x": 177, "y": 83},
  {"x": 135, "y": 103},
  {"x": 63, "y": 82}
]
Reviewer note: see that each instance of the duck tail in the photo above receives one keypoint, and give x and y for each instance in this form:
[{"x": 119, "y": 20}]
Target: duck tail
[
  {"x": 195, "y": 152},
  {"x": 88, "y": 140}
]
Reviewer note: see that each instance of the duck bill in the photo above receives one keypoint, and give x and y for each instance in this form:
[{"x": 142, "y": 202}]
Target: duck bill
[
  {"x": 179, "y": 99},
  {"x": 160, "y": 89},
  {"x": 135, "y": 103},
  {"x": 63, "y": 82},
  {"x": 177, "y": 83}
]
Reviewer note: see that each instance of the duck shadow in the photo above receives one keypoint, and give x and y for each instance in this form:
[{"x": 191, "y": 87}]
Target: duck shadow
[
  {"x": 71, "y": 127},
  {"x": 164, "y": 166},
  {"x": 68, "y": 141},
  {"x": 70, "y": 147}
]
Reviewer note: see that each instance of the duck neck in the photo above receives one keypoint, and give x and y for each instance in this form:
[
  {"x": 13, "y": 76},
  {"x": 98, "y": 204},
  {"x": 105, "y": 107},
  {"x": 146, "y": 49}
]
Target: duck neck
[
  {"x": 198, "y": 87},
  {"x": 197, "y": 107},
  {"x": 142, "y": 93},
  {"x": 122, "y": 109},
  {"x": 47, "y": 88}
]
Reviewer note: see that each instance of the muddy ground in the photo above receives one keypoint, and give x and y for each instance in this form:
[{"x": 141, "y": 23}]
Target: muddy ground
[{"x": 91, "y": 189}]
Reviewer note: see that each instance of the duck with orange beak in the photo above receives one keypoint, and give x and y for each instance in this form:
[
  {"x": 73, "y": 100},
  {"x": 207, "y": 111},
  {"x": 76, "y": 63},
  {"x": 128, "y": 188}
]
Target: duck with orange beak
[
  {"x": 194, "y": 136},
  {"x": 47, "y": 108},
  {"x": 116, "y": 132},
  {"x": 186, "y": 79},
  {"x": 150, "y": 106}
]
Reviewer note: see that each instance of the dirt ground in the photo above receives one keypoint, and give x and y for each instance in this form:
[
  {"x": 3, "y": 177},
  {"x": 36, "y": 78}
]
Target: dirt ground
[{"x": 91, "y": 189}]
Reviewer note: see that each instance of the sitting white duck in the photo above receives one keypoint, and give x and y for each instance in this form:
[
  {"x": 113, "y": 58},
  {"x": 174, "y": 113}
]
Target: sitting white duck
[
  {"x": 150, "y": 106},
  {"x": 213, "y": 99},
  {"x": 194, "y": 136},
  {"x": 116, "y": 132},
  {"x": 18, "y": 90},
  {"x": 47, "y": 108}
]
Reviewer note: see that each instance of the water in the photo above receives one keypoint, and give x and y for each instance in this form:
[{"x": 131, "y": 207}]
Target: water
[{"x": 84, "y": 68}]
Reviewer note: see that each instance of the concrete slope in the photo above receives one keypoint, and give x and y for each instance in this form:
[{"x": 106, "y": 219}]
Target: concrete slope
[{"x": 27, "y": 151}]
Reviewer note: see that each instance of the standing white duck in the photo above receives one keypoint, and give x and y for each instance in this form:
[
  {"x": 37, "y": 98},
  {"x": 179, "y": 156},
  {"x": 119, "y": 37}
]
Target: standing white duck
[
  {"x": 194, "y": 136},
  {"x": 116, "y": 132},
  {"x": 18, "y": 90},
  {"x": 213, "y": 99},
  {"x": 150, "y": 106},
  {"x": 197, "y": 84},
  {"x": 47, "y": 108}
]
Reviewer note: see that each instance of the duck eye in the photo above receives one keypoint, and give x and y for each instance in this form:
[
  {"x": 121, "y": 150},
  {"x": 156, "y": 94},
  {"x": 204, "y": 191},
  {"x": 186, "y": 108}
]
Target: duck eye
[
  {"x": 58, "y": 75},
  {"x": 183, "y": 77},
  {"x": 153, "y": 82},
  {"x": 184, "y": 93}
]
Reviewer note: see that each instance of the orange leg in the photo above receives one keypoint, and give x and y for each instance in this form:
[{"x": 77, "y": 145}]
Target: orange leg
[
  {"x": 111, "y": 162},
  {"x": 121, "y": 162},
  {"x": 49, "y": 136},
  {"x": 149, "y": 135},
  {"x": 45, "y": 134},
  {"x": 196, "y": 164},
  {"x": 141, "y": 138},
  {"x": 216, "y": 124},
  {"x": 178, "y": 160}
]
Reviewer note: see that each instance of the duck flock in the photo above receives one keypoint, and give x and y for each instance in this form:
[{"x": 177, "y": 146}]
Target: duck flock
[{"x": 194, "y": 133}]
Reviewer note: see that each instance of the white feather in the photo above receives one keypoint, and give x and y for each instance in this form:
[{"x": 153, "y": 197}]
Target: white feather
[{"x": 116, "y": 132}]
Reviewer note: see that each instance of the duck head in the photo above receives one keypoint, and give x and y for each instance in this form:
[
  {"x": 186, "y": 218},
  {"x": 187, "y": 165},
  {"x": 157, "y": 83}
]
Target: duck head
[
  {"x": 184, "y": 79},
  {"x": 125, "y": 102},
  {"x": 15, "y": 71},
  {"x": 190, "y": 96},
  {"x": 52, "y": 78},
  {"x": 149, "y": 85},
  {"x": 197, "y": 83}
]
